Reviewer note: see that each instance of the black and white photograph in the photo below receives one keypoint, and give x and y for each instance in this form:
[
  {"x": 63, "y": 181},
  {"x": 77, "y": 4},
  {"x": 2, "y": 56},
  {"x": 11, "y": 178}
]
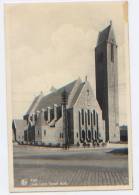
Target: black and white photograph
[{"x": 68, "y": 96}]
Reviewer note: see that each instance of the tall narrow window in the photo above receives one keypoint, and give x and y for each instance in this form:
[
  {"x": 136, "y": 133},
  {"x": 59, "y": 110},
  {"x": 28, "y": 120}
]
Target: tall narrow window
[
  {"x": 112, "y": 52},
  {"x": 94, "y": 117},
  {"x": 35, "y": 117},
  {"x": 97, "y": 121},
  {"x": 88, "y": 117},
  {"x": 89, "y": 135},
  {"x": 97, "y": 126},
  {"x": 82, "y": 117},
  {"x": 95, "y": 135},
  {"x": 83, "y": 135},
  {"x": 91, "y": 119},
  {"x": 59, "y": 112},
  {"x": 46, "y": 115},
  {"x": 51, "y": 113},
  {"x": 79, "y": 121},
  {"x": 85, "y": 120}
]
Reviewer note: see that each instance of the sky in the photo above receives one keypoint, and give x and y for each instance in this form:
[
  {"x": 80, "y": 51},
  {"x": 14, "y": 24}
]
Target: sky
[{"x": 52, "y": 44}]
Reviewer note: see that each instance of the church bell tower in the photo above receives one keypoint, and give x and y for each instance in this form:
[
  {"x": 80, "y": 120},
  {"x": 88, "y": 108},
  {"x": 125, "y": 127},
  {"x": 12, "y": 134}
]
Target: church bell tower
[{"x": 106, "y": 69}]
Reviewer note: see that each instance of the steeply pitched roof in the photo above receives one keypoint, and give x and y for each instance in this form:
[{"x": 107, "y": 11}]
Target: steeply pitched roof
[
  {"x": 54, "y": 97},
  {"x": 50, "y": 99},
  {"x": 32, "y": 106},
  {"x": 104, "y": 35},
  {"x": 77, "y": 94}
]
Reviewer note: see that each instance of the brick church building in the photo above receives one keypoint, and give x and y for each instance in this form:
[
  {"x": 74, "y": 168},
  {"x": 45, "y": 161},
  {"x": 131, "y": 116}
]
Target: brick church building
[{"x": 72, "y": 115}]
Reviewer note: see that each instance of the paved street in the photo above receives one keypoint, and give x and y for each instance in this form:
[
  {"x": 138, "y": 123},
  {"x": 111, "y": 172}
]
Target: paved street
[{"x": 36, "y": 166}]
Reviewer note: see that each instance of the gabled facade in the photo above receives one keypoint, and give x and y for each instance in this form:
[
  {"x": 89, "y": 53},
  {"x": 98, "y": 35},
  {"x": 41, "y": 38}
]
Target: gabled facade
[
  {"x": 19, "y": 126},
  {"x": 88, "y": 124}
]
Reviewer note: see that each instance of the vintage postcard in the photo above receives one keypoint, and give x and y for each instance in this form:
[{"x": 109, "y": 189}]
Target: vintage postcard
[{"x": 68, "y": 96}]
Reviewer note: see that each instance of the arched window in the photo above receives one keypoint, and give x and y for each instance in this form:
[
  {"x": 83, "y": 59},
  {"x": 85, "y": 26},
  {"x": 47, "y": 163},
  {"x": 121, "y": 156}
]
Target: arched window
[
  {"x": 77, "y": 134},
  {"x": 44, "y": 132}
]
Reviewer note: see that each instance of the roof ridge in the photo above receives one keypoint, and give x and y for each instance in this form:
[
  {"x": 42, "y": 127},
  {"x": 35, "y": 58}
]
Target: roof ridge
[
  {"x": 52, "y": 92},
  {"x": 54, "y": 97},
  {"x": 35, "y": 101}
]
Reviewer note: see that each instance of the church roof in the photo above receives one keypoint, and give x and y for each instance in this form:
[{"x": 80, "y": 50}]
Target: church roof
[
  {"x": 77, "y": 94},
  {"x": 33, "y": 104},
  {"x": 52, "y": 98},
  {"x": 104, "y": 35},
  {"x": 55, "y": 97}
]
